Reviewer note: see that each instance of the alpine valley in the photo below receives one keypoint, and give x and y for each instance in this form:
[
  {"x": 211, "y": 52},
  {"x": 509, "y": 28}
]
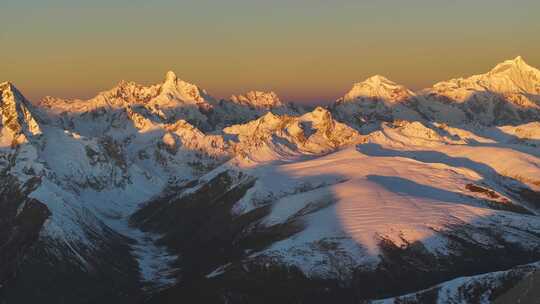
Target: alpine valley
[{"x": 164, "y": 194}]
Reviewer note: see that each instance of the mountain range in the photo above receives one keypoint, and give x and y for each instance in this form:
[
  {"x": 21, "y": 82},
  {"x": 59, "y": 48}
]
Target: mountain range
[{"x": 163, "y": 194}]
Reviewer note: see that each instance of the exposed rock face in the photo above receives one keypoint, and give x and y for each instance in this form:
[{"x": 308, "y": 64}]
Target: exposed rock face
[
  {"x": 492, "y": 287},
  {"x": 18, "y": 122},
  {"x": 522, "y": 292},
  {"x": 21, "y": 221},
  {"x": 36, "y": 266}
]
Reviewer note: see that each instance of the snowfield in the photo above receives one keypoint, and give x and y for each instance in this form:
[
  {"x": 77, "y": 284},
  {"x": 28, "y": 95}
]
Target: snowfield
[{"x": 364, "y": 194}]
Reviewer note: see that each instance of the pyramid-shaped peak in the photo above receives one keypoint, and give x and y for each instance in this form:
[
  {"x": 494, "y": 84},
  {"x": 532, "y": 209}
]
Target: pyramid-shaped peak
[
  {"x": 4, "y": 85},
  {"x": 173, "y": 86},
  {"x": 170, "y": 77},
  {"x": 378, "y": 86},
  {"x": 16, "y": 112},
  {"x": 9, "y": 86},
  {"x": 377, "y": 79},
  {"x": 172, "y": 81},
  {"x": 379, "y": 82},
  {"x": 517, "y": 63},
  {"x": 519, "y": 59}
]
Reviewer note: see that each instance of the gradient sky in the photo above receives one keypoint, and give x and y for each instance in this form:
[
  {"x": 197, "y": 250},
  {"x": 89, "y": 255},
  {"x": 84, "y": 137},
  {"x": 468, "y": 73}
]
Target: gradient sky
[{"x": 303, "y": 50}]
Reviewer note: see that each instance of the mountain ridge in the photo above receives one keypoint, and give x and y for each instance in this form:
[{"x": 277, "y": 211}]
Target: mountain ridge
[{"x": 511, "y": 77}]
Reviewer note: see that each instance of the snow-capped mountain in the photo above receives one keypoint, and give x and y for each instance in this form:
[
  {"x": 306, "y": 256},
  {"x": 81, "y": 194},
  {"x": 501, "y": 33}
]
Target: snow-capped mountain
[
  {"x": 258, "y": 99},
  {"x": 508, "y": 94},
  {"x": 273, "y": 137},
  {"x": 133, "y": 106},
  {"x": 373, "y": 100},
  {"x": 509, "y": 77},
  {"x": 378, "y": 87},
  {"x": 18, "y": 123},
  {"x": 152, "y": 194}
]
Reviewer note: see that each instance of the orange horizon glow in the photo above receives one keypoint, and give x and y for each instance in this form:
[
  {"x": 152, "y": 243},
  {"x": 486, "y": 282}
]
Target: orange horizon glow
[{"x": 305, "y": 51}]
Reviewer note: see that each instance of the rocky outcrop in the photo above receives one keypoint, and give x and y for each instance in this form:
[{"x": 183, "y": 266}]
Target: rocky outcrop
[{"x": 21, "y": 220}]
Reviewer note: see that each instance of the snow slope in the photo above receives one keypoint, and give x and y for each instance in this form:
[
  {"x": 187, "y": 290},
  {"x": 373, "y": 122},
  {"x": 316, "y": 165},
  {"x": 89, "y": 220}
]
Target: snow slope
[
  {"x": 359, "y": 199},
  {"x": 430, "y": 193}
]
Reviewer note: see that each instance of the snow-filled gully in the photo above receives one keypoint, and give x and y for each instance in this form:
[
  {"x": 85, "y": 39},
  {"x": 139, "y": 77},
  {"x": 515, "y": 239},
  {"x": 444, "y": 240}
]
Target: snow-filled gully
[
  {"x": 114, "y": 210},
  {"x": 154, "y": 260}
]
